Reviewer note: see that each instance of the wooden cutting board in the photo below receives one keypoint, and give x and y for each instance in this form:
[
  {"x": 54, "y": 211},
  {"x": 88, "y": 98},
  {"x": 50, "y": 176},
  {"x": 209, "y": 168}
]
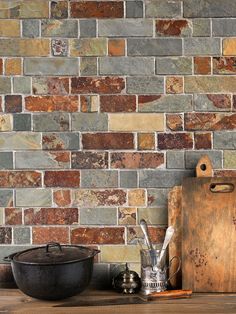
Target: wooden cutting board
[{"x": 209, "y": 234}]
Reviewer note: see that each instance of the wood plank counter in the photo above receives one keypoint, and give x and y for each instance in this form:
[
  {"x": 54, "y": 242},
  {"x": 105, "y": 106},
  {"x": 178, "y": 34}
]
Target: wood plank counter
[{"x": 13, "y": 301}]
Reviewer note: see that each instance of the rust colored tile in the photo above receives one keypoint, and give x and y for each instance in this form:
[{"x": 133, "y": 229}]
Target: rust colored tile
[
  {"x": 202, "y": 65},
  {"x": 13, "y": 66},
  {"x": 51, "y": 103},
  {"x": 174, "y": 85},
  {"x": 209, "y": 121},
  {"x": 51, "y": 85},
  {"x": 224, "y": 65},
  {"x": 127, "y": 215},
  {"x": 104, "y": 235},
  {"x": 20, "y": 179},
  {"x": 1, "y": 66},
  {"x": 0, "y": 104},
  {"x": 175, "y": 141},
  {"x": 225, "y": 173},
  {"x": 51, "y": 216},
  {"x": 5, "y": 235},
  {"x": 64, "y": 179},
  {"x": 97, "y": 9},
  {"x": 234, "y": 102},
  {"x": 108, "y": 141},
  {"x": 43, "y": 235},
  {"x": 89, "y": 160},
  {"x": 146, "y": 141},
  {"x": 62, "y": 197},
  {"x": 171, "y": 27},
  {"x": 93, "y": 198},
  {"x": 174, "y": 122},
  {"x": 13, "y": 216},
  {"x": 136, "y": 197},
  {"x": 13, "y": 103},
  {"x": 202, "y": 140},
  {"x": 61, "y": 156},
  {"x": 97, "y": 85},
  {"x": 136, "y": 160},
  {"x": 117, "y": 103},
  {"x": 220, "y": 100},
  {"x": 116, "y": 47},
  {"x": 157, "y": 234}
]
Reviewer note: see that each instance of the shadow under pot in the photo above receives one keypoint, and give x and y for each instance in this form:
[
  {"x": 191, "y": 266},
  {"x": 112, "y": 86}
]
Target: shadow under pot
[{"x": 54, "y": 271}]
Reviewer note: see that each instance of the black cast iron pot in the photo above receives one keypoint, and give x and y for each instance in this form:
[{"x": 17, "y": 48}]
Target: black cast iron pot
[{"x": 54, "y": 271}]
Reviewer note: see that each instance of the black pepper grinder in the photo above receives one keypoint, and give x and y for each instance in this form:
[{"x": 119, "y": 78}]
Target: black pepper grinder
[{"x": 127, "y": 281}]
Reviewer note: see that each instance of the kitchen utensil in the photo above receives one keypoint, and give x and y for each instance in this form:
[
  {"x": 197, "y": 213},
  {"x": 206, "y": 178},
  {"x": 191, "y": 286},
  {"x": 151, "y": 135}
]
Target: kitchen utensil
[
  {"x": 53, "y": 271},
  {"x": 144, "y": 228},
  {"x": 169, "y": 233},
  {"x": 154, "y": 279},
  {"x": 209, "y": 234},
  {"x": 127, "y": 281}
]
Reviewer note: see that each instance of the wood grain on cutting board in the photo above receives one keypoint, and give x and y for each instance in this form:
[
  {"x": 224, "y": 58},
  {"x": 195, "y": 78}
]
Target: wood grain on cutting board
[{"x": 208, "y": 235}]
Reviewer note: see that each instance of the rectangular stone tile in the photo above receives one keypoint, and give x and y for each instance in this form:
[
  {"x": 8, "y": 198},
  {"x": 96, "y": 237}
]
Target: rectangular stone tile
[
  {"x": 174, "y": 65},
  {"x": 197, "y": 121},
  {"x": 120, "y": 254},
  {"x": 6, "y": 160},
  {"x": 157, "y": 197},
  {"x": 88, "y": 47},
  {"x": 85, "y": 198},
  {"x": 41, "y": 160},
  {"x": 24, "y": 47},
  {"x": 203, "y": 140},
  {"x": 99, "y": 235},
  {"x": 59, "y": 28},
  {"x": 146, "y": 141},
  {"x": 165, "y": 103},
  {"x": 98, "y": 216},
  {"x": 154, "y": 47},
  {"x": 9, "y": 28},
  {"x": 163, "y": 8},
  {"x": 6, "y": 198},
  {"x": 174, "y": 122},
  {"x": 50, "y": 85},
  {"x": 175, "y": 159},
  {"x": 152, "y": 215},
  {"x": 224, "y": 140},
  {"x": 51, "y": 122},
  {"x": 97, "y": 9},
  {"x": 50, "y": 216},
  {"x": 5, "y": 85},
  {"x": 124, "y": 28},
  {"x": 33, "y": 197},
  {"x": 210, "y": 84},
  {"x": 22, "y": 85},
  {"x": 212, "y": 102},
  {"x": 223, "y": 27},
  {"x": 22, "y": 122},
  {"x": 51, "y": 66},
  {"x": 136, "y": 122},
  {"x": 229, "y": 159},
  {"x": 30, "y": 28},
  {"x": 13, "y": 103},
  {"x": 229, "y": 46},
  {"x": 42, "y": 235},
  {"x": 97, "y": 85},
  {"x": 117, "y": 103},
  {"x": 20, "y": 141},
  {"x": 145, "y": 85},
  {"x": 192, "y": 158},
  {"x": 89, "y": 122},
  {"x": 209, "y": 8},
  {"x": 22, "y": 9},
  {"x": 107, "y": 141},
  {"x": 88, "y": 66},
  {"x": 128, "y": 179},
  {"x": 99, "y": 179},
  {"x": 137, "y": 197},
  {"x": 20, "y": 179},
  {"x": 89, "y": 160},
  {"x": 6, "y": 122},
  {"x": 127, "y": 216},
  {"x": 21, "y": 235},
  {"x": 136, "y": 160},
  {"x": 61, "y": 141},
  {"x": 224, "y": 65},
  {"x": 64, "y": 178},
  {"x": 59, "y": 10},
  {"x": 162, "y": 178},
  {"x": 88, "y": 28},
  {"x": 175, "y": 28},
  {"x": 175, "y": 140},
  {"x": 126, "y": 66},
  {"x": 51, "y": 103},
  {"x": 134, "y": 9},
  {"x": 13, "y": 216},
  {"x": 5, "y": 235},
  {"x": 202, "y": 46},
  {"x": 201, "y": 27}
]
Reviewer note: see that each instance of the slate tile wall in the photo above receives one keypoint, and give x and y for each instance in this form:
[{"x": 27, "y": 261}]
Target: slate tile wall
[{"x": 104, "y": 106}]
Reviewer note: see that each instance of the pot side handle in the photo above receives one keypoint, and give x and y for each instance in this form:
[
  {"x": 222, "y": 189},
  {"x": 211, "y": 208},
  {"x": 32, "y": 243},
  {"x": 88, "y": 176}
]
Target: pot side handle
[{"x": 9, "y": 258}]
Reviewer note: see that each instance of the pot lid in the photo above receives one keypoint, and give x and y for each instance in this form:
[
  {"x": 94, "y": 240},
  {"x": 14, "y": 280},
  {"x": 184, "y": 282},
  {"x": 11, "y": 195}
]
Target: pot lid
[{"x": 54, "y": 253}]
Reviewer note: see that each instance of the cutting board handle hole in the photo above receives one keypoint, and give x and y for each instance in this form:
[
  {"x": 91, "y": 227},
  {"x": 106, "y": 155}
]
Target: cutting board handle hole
[
  {"x": 221, "y": 187},
  {"x": 203, "y": 167}
]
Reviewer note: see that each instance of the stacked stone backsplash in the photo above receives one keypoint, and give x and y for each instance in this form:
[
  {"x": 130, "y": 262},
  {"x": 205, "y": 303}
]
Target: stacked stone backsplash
[{"x": 105, "y": 105}]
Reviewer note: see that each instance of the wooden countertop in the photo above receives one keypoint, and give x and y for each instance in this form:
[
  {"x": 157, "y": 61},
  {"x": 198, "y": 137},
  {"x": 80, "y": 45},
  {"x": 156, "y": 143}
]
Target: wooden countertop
[{"x": 14, "y": 301}]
